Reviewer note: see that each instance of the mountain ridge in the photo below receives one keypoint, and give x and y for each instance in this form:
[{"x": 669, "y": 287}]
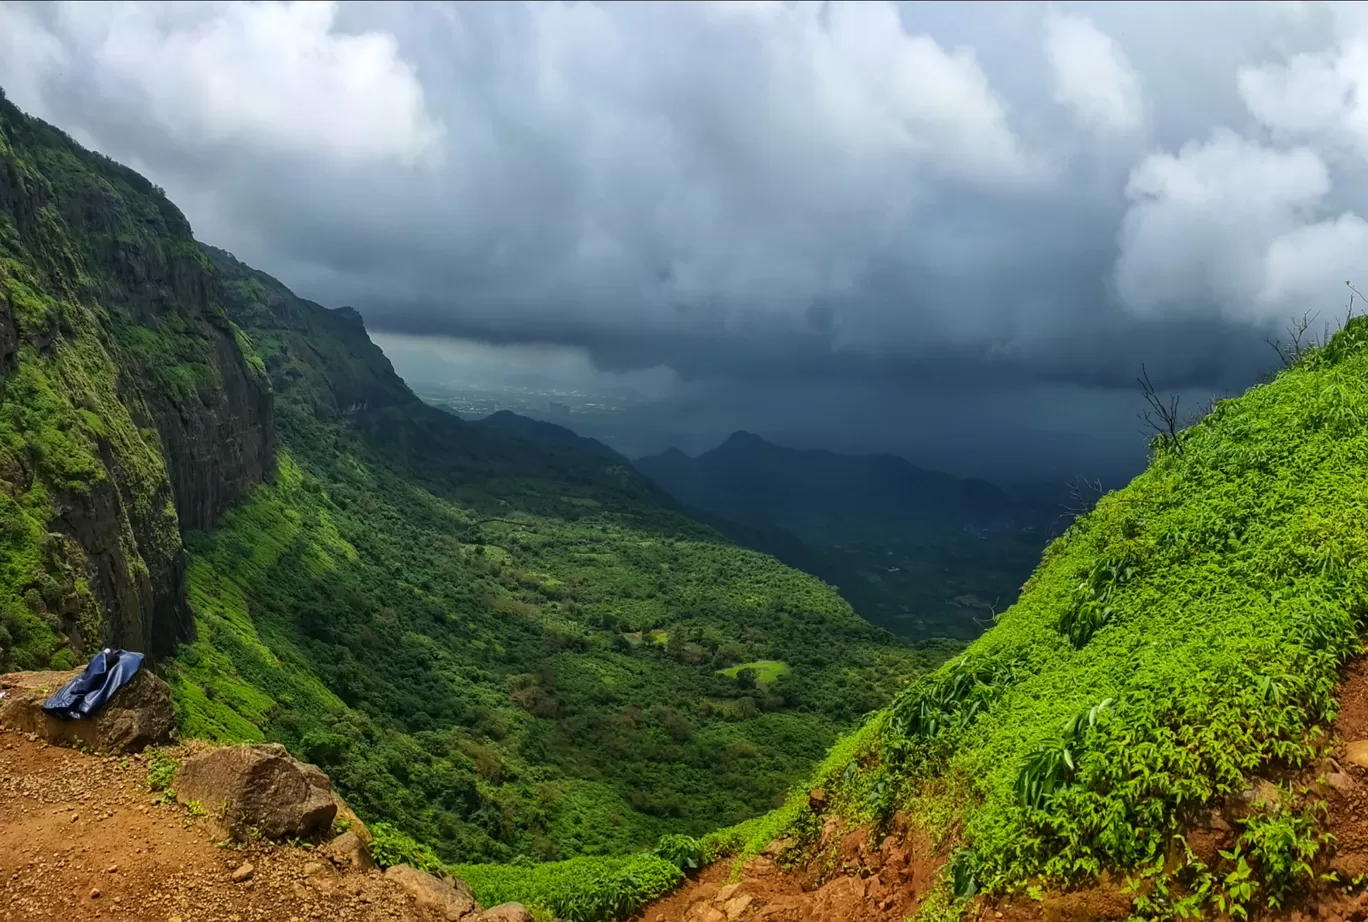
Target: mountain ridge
[
  {"x": 922, "y": 553},
  {"x": 543, "y": 431}
]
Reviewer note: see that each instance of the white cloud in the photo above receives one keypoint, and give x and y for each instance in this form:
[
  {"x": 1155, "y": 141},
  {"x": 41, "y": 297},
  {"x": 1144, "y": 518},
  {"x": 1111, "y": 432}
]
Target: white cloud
[
  {"x": 277, "y": 75},
  {"x": 1091, "y": 73},
  {"x": 1321, "y": 96},
  {"x": 1307, "y": 265},
  {"x": 1231, "y": 225},
  {"x": 28, "y": 52},
  {"x": 930, "y": 100}
]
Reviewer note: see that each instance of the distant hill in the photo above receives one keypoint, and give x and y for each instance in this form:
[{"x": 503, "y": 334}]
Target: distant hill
[
  {"x": 922, "y": 553},
  {"x": 539, "y": 431},
  {"x": 807, "y": 491}
]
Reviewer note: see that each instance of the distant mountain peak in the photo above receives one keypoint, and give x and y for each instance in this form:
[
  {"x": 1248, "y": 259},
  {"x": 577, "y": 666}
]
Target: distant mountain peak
[{"x": 539, "y": 430}]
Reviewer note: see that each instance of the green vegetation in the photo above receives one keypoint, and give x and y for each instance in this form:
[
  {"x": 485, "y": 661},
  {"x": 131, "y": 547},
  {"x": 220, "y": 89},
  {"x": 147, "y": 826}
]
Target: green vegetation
[
  {"x": 465, "y": 680},
  {"x": 1178, "y": 642},
  {"x": 437, "y": 614},
  {"x": 763, "y": 672},
  {"x": 578, "y": 890},
  {"x": 918, "y": 552},
  {"x": 161, "y": 771}
]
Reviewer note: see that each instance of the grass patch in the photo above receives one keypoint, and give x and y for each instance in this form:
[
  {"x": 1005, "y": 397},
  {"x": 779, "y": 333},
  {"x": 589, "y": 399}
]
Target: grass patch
[{"x": 764, "y": 672}]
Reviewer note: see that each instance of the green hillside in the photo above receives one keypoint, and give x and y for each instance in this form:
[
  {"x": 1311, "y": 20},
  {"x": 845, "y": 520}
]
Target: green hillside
[{"x": 1178, "y": 642}]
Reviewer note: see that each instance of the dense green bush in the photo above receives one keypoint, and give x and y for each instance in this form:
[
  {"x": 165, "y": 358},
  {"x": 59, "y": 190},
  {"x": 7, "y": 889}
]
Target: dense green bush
[
  {"x": 389, "y": 847},
  {"x": 684, "y": 852},
  {"x": 577, "y": 890}
]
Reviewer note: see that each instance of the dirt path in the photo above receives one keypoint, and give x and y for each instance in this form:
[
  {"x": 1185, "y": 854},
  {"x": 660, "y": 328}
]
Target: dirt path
[
  {"x": 851, "y": 882},
  {"x": 81, "y": 838}
]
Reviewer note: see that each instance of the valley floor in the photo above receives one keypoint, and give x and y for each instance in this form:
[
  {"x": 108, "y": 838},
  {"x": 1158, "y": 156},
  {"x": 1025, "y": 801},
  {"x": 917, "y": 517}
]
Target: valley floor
[{"x": 81, "y": 838}]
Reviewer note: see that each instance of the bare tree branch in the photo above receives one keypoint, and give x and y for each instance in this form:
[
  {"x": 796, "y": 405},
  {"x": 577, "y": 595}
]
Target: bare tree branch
[
  {"x": 1298, "y": 343},
  {"x": 1349, "y": 310},
  {"x": 1083, "y": 496},
  {"x": 1162, "y": 416}
]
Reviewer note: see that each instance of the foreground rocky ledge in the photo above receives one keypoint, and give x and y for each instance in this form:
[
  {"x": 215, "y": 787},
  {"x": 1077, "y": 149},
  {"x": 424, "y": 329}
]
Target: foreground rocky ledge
[
  {"x": 138, "y": 715},
  {"x": 83, "y": 832}
]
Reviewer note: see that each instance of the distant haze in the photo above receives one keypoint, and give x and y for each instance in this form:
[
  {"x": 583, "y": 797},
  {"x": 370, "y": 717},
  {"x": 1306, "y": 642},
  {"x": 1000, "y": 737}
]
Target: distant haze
[{"x": 953, "y": 231}]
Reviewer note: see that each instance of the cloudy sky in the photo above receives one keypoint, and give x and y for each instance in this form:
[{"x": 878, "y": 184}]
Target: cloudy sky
[{"x": 953, "y": 231}]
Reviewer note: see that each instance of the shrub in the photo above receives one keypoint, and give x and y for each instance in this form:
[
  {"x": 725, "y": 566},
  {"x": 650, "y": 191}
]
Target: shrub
[
  {"x": 161, "y": 769},
  {"x": 389, "y": 846},
  {"x": 684, "y": 852}
]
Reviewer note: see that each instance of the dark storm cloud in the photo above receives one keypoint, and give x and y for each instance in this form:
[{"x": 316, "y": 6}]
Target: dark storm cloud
[{"x": 842, "y": 203}]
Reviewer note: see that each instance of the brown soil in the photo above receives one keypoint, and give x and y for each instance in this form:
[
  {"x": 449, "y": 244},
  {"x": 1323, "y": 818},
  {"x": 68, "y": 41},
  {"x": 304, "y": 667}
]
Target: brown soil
[
  {"x": 81, "y": 839},
  {"x": 850, "y": 878},
  {"x": 886, "y": 882}
]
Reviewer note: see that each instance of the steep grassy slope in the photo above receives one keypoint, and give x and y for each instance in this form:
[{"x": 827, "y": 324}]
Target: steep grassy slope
[
  {"x": 921, "y": 553},
  {"x": 127, "y": 411},
  {"x": 456, "y": 622},
  {"x": 1177, "y": 643}
]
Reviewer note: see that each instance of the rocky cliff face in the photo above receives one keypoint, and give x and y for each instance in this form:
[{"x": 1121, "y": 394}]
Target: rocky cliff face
[
  {"x": 320, "y": 360},
  {"x": 128, "y": 409}
]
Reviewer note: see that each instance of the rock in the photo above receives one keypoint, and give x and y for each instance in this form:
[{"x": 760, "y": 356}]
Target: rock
[
  {"x": 258, "y": 790},
  {"x": 760, "y": 867},
  {"x": 1356, "y": 753},
  {"x": 349, "y": 851},
  {"x": 727, "y": 892},
  {"x": 95, "y": 894},
  {"x": 244, "y": 872},
  {"x": 321, "y": 875},
  {"x": 505, "y": 912},
  {"x": 137, "y": 716},
  {"x": 817, "y": 800},
  {"x": 777, "y": 847},
  {"x": 737, "y": 906},
  {"x": 352, "y": 821},
  {"x": 453, "y": 902},
  {"x": 1339, "y": 781}
]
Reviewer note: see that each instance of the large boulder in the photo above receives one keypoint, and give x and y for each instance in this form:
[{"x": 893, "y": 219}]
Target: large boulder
[
  {"x": 137, "y": 716},
  {"x": 452, "y": 901},
  {"x": 258, "y": 791},
  {"x": 506, "y": 912}
]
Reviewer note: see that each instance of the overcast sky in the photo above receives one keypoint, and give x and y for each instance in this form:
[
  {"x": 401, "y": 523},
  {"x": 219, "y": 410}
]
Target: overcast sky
[{"x": 953, "y": 231}]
